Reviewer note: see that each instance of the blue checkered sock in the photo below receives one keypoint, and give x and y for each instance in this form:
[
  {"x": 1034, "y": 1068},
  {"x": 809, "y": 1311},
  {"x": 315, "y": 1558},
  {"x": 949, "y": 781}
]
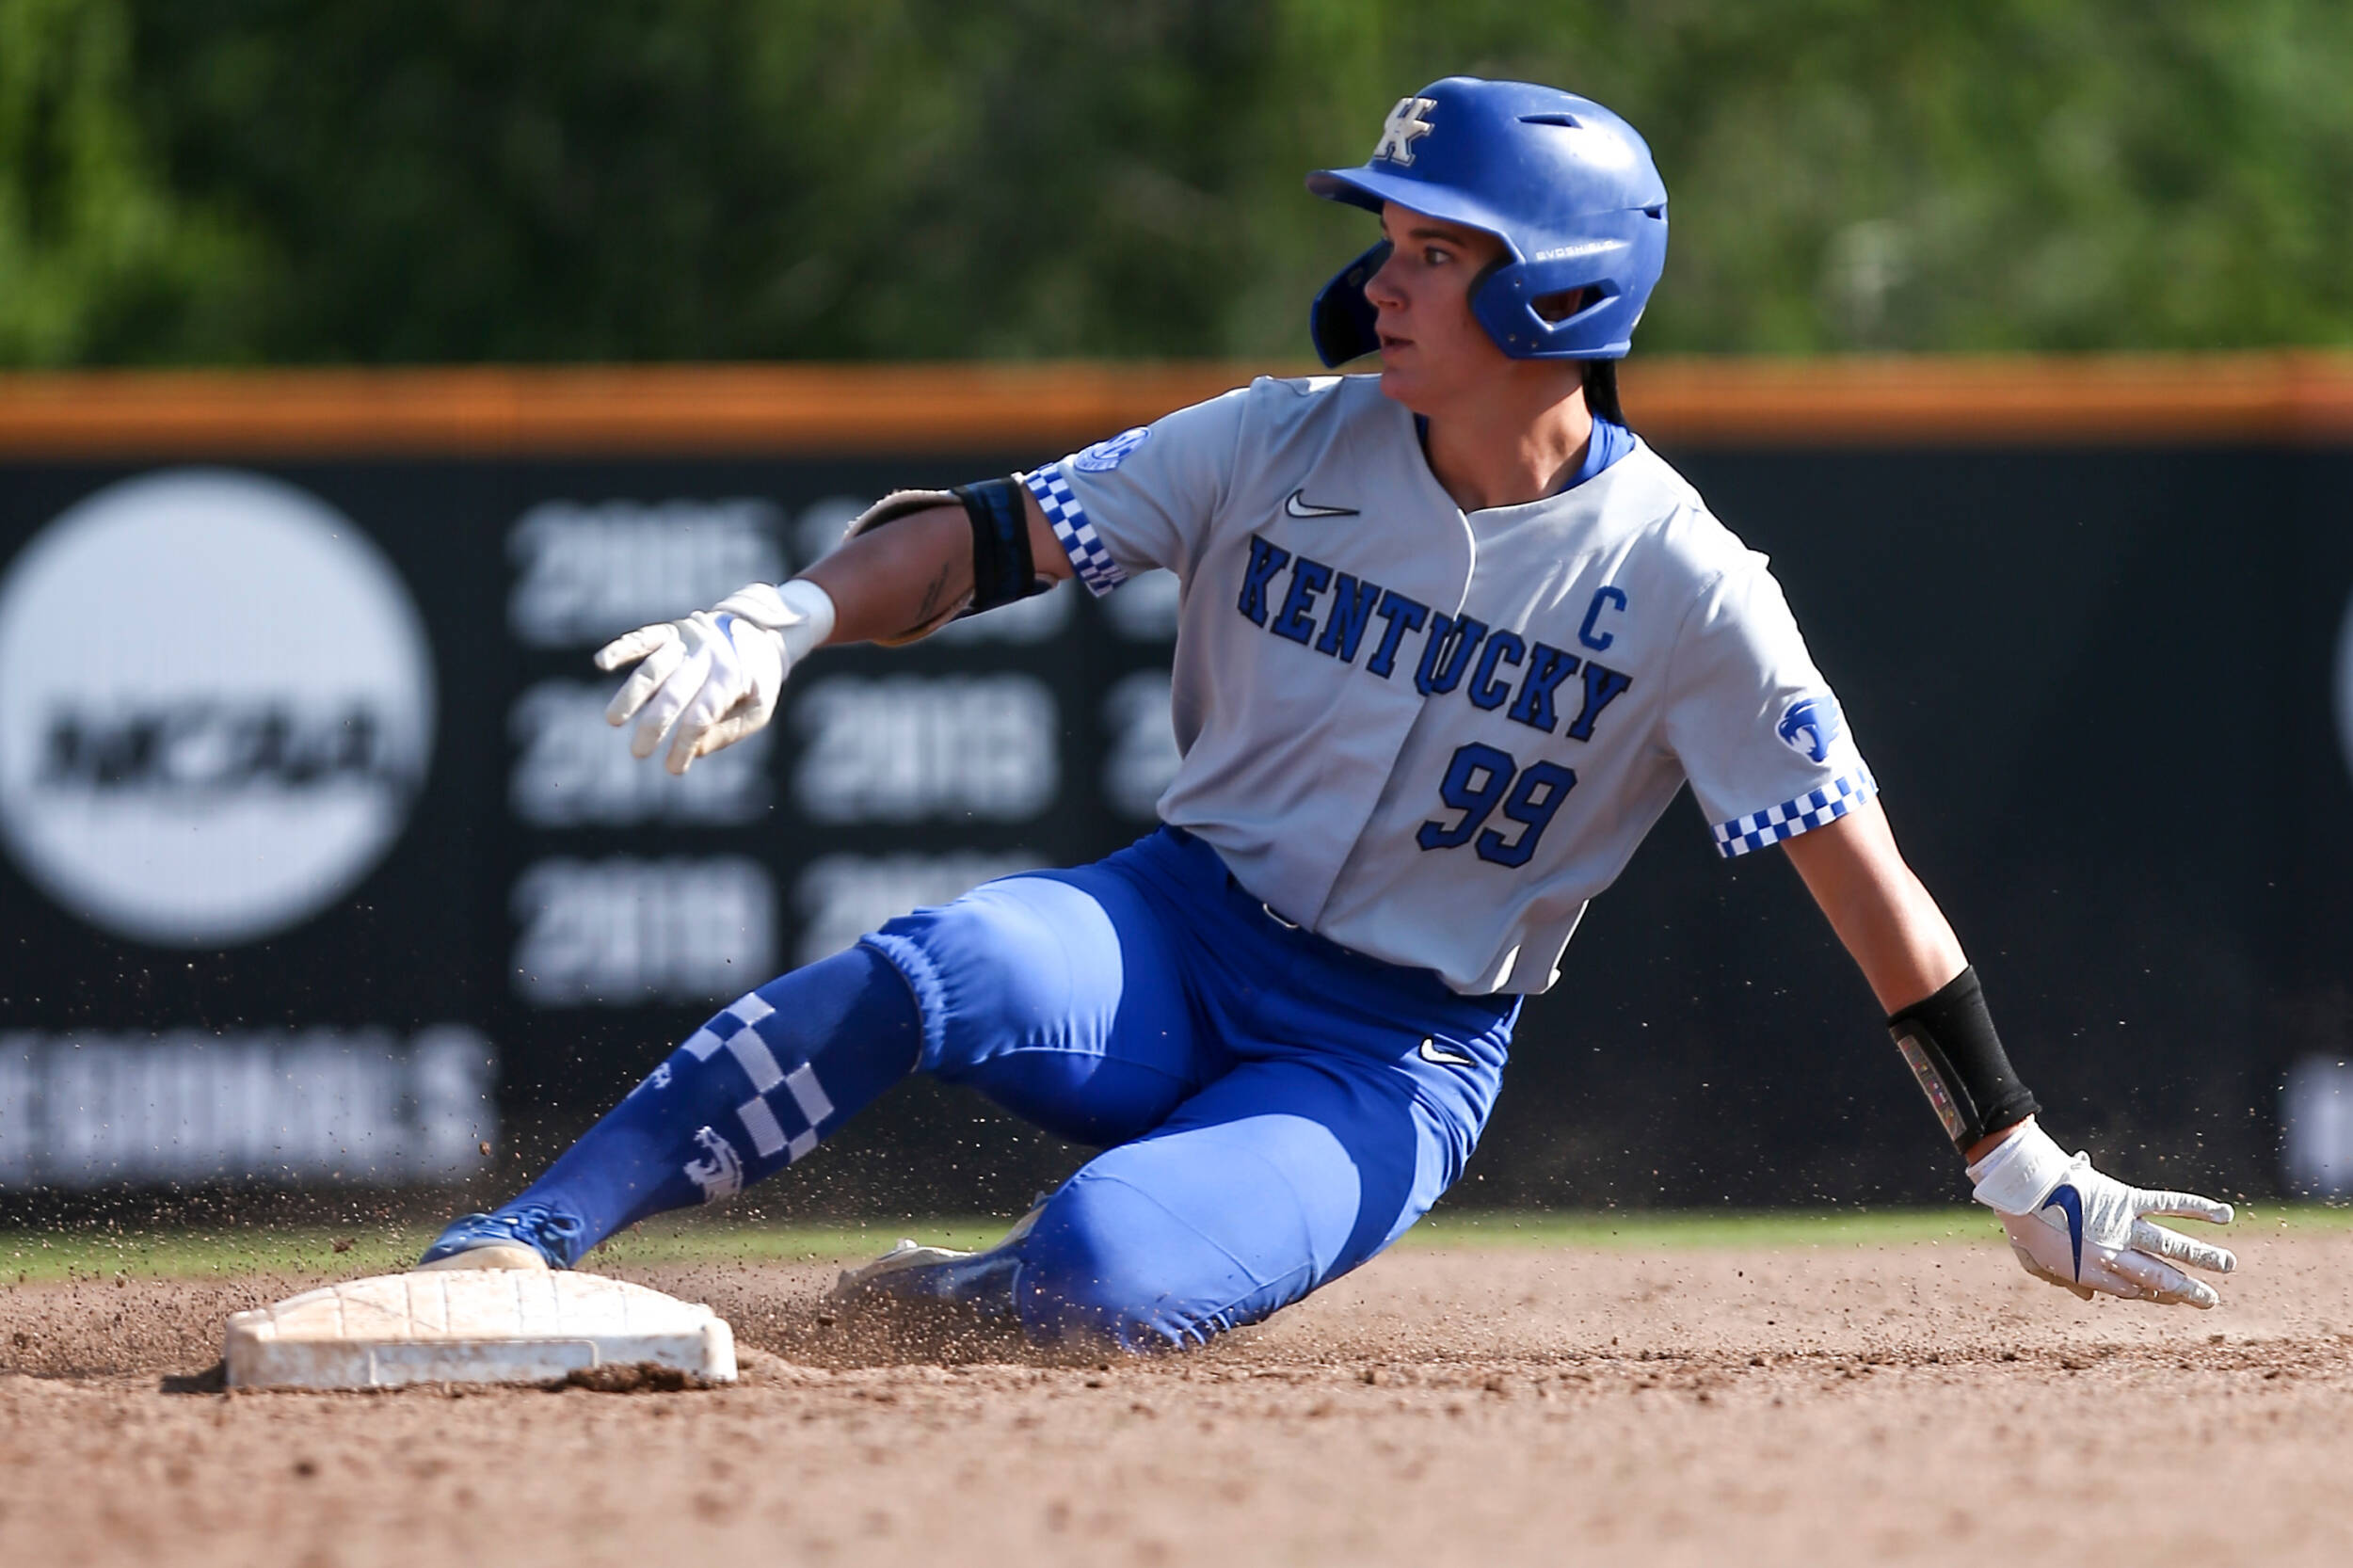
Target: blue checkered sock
[{"x": 749, "y": 1093}]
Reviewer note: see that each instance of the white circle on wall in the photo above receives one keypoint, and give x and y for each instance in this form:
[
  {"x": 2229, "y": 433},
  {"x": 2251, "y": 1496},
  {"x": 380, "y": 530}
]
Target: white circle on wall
[{"x": 217, "y": 707}]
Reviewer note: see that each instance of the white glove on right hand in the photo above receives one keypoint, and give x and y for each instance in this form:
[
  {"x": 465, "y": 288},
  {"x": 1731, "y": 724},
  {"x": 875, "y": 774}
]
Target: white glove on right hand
[
  {"x": 710, "y": 679},
  {"x": 2085, "y": 1232}
]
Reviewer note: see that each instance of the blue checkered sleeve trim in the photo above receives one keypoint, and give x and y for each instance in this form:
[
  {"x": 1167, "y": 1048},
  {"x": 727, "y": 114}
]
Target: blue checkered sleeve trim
[
  {"x": 1071, "y": 525},
  {"x": 1828, "y": 804}
]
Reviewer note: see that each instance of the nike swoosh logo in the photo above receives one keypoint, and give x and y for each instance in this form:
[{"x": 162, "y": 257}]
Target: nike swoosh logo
[
  {"x": 1296, "y": 505},
  {"x": 1430, "y": 1053},
  {"x": 2071, "y": 1203}
]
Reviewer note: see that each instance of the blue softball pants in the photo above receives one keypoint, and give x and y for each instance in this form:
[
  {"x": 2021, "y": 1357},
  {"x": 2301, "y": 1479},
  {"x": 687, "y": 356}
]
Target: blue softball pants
[
  {"x": 1277, "y": 1107},
  {"x": 1273, "y": 1108}
]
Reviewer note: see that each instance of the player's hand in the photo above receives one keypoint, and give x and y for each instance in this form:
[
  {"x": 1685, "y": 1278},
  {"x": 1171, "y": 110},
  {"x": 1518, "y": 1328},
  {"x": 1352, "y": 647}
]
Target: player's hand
[
  {"x": 710, "y": 679},
  {"x": 2086, "y": 1232}
]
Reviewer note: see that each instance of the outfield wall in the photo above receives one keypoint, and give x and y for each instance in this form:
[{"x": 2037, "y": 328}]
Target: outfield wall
[{"x": 320, "y": 863}]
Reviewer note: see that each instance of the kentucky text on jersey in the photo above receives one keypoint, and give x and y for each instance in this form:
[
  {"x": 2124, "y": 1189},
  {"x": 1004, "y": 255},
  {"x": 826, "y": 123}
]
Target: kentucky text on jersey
[
  {"x": 1453, "y": 648},
  {"x": 1432, "y": 735}
]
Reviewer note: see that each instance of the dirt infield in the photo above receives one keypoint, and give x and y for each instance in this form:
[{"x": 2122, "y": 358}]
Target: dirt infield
[{"x": 1822, "y": 1405}]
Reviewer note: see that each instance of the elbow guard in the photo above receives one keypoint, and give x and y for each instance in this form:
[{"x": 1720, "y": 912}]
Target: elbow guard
[
  {"x": 1949, "y": 1042},
  {"x": 1002, "y": 567}
]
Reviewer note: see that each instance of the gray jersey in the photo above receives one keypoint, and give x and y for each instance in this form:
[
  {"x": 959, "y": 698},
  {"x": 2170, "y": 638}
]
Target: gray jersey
[{"x": 1430, "y": 737}]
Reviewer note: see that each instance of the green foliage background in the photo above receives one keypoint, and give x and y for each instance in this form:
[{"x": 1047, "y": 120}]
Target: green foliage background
[{"x": 256, "y": 180}]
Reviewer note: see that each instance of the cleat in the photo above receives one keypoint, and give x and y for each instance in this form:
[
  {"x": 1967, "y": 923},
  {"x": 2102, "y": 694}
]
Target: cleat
[
  {"x": 529, "y": 1238},
  {"x": 907, "y": 1255},
  {"x": 911, "y": 1271}
]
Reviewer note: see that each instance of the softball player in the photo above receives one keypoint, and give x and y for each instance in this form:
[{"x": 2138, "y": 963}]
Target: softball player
[{"x": 1452, "y": 639}]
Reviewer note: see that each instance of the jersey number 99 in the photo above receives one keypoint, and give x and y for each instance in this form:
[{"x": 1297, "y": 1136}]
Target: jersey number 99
[{"x": 1477, "y": 780}]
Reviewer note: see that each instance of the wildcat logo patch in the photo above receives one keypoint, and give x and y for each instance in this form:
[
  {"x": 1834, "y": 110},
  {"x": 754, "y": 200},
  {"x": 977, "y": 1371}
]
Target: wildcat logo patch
[{"x": 1810, "y": 726}]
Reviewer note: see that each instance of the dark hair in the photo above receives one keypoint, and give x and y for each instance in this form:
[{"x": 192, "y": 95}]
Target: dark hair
[{"x": 1601, "y": 390}]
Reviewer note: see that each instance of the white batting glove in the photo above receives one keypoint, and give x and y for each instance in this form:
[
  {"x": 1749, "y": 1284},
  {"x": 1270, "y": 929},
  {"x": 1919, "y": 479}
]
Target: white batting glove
[
  {"x": 710, "y": 679},
  {"x": 2085, "y": 1232}
]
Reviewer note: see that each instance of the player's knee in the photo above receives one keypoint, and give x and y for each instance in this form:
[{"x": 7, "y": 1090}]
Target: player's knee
[
  {"x": 1108, "y": 1263},
  {"x": 1027, "y": 961}
]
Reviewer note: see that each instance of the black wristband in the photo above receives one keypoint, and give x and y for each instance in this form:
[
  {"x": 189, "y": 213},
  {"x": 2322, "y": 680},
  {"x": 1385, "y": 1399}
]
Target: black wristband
[
  {"x": 1002, "y": 571},
  {"x": 1949, "y": 1042}
]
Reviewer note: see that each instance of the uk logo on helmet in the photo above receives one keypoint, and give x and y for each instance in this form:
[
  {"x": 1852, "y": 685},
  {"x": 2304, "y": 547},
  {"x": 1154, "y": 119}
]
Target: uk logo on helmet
[
  {"x": 1810, "y": 726},
  {"x": 1406, "y": 127}
]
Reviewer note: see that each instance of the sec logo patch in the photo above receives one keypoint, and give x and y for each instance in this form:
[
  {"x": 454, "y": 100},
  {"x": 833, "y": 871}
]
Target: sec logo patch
[{"x": 1105, "y": 456}]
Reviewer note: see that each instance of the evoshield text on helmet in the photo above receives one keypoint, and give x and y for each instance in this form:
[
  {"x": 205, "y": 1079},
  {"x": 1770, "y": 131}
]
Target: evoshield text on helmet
[{"x": 1565, "y": 184}]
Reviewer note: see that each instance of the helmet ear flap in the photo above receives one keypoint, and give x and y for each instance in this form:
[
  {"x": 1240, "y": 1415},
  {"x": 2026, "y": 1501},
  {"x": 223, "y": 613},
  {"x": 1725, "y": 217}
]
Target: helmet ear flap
[
  {"x": 1571, "y": 306},
  {"x": 1342, "y": 323}
]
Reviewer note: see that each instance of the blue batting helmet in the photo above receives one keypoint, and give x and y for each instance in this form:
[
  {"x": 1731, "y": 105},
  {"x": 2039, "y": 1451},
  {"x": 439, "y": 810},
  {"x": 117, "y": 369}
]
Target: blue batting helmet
[{"x": 1566, "y": 185}]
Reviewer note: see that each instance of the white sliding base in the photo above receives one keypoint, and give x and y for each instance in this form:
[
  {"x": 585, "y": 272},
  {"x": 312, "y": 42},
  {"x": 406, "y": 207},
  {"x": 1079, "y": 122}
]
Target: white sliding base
[{"x": 472, "y": 1325}]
